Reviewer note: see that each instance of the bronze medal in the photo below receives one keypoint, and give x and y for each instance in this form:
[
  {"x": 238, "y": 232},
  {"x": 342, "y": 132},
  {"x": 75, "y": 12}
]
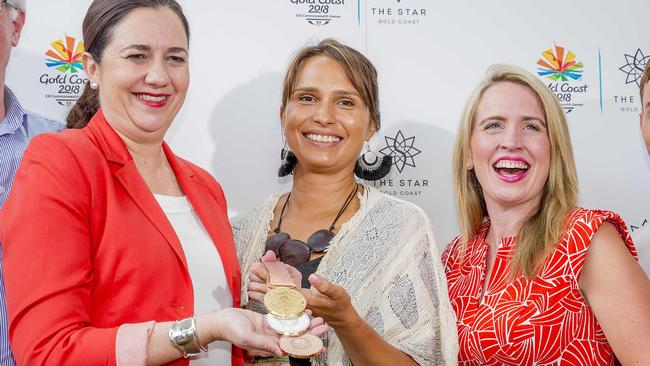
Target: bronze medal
[{"x": 304, "y": 346}]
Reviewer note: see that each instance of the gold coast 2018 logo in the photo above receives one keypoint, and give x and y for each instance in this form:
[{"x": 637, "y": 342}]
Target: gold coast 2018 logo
[
  {"x": 565, "y": 72},
  {"x": 319, "y": 12},
  {"x": 66, "y": 83}
]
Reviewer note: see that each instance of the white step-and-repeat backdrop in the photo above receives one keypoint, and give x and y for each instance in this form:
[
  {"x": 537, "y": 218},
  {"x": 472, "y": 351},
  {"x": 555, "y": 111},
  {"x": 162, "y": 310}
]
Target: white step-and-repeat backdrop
[{"x": 430, "y": 55}]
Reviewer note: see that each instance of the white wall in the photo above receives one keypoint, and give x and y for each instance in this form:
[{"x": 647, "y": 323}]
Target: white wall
[{"x": 428, "y": 63}]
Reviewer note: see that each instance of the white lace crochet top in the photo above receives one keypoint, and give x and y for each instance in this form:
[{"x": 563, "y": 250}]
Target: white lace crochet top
[{"x": 386, "y": 259}]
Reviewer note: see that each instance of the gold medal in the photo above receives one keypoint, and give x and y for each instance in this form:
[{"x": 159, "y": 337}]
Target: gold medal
[
  {"x": 304, "y": 346},
  {"x": 285, "y": 303}
]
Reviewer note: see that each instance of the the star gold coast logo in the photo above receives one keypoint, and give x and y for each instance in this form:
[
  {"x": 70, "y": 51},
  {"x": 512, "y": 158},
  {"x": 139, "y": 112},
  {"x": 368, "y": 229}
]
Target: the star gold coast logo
[
  {"x": 627, "y": 100},
  {"x": 402, "y": 181},
  {"x": 634, "y": 66},
  {"x": 409, "y": 12},
  {"x": 561, "y": 67},
  {"x": 64, "y": 56},
  {"x": 402, "y": 150}
]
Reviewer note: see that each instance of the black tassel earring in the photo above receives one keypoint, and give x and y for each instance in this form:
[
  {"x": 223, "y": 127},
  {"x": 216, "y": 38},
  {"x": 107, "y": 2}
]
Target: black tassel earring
[
  {"x": 288, "y": 163},
  {"x": 371, "y": 166}
]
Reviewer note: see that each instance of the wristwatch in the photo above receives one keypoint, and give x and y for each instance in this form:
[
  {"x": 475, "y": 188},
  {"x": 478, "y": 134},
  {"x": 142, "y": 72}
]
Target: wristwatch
[{"x": 182, "y": 334}]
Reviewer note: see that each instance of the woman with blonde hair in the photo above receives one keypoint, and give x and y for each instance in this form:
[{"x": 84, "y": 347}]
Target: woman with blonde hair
[{"x": 533, "y": 278}]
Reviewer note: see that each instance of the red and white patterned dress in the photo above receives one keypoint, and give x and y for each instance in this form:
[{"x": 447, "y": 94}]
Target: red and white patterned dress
[{"x": 544, "y": 321}]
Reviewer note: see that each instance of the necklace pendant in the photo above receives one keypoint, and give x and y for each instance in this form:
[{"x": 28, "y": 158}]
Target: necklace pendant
[
  {"x": 320, "y": 240},
  {"x": 294, "y": 252},
  {"x": 273, "y": 242}
]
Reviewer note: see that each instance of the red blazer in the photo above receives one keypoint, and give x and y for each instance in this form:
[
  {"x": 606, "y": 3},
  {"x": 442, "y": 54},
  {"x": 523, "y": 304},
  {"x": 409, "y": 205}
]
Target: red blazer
[{"x": 86, "y": 247}]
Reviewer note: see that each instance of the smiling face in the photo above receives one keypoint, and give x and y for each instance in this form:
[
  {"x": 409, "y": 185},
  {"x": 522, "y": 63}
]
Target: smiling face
[
  {"x": 143, "y": 75},
  {"x": 509, "y": 145},
  {"x": 325, "y": 120}
]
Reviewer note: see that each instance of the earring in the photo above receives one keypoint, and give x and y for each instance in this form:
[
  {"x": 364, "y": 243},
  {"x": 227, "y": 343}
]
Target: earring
[
  {"x": 94, "y": 85},
  {"x": 371, "y": 166},
  {"x": 468, "y": 166},
  {"x": 288, "y": 161}
]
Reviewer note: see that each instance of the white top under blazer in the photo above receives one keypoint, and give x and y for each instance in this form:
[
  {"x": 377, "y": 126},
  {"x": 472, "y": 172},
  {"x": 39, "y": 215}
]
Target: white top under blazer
[{"x": 211, "y": 292}]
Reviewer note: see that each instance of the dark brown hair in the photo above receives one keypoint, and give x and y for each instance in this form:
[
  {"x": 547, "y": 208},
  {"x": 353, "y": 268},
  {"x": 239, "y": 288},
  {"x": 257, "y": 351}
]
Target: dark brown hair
[
  {"x": 359, "y": 70},
  {"x": 100, "y": 20}
]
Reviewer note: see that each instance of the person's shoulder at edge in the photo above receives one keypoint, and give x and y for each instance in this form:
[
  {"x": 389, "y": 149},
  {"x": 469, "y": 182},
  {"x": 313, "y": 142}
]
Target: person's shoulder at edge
[
  {"x": 48, "y": 140},
  {"x": 594, "y": 217},
  {"x": 38, "y": 123}
]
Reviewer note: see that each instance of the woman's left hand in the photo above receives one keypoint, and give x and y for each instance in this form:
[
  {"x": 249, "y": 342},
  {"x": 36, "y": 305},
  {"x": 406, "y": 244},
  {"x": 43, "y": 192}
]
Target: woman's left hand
[
  {"x": 257, "y": 288},
  {"x": 330, "y": 302}
]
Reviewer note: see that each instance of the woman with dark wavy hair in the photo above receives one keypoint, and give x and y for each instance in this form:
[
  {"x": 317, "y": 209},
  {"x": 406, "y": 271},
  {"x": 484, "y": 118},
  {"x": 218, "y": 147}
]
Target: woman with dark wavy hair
[
  {"x": 117, "y": 251},
  {"x": 370, "y": 259}
]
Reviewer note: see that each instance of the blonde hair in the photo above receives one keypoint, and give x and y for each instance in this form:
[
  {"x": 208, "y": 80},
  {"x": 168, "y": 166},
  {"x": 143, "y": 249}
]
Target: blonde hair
[{"x": 542, "y": 229}]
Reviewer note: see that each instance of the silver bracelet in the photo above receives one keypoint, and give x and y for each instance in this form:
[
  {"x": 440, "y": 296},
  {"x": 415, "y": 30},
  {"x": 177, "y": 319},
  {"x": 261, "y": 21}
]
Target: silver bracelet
[{"x": 182, "y": 334}]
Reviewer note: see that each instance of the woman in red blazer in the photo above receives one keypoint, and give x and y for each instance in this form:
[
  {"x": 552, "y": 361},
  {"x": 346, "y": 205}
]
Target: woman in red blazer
[{"x": 95, "y": 272}]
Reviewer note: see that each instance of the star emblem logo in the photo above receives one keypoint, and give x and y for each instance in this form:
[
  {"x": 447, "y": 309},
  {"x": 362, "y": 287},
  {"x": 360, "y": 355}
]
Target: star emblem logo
[
  {"x": 634, "y": 67},
  {"x": 401, "y": 149}
]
